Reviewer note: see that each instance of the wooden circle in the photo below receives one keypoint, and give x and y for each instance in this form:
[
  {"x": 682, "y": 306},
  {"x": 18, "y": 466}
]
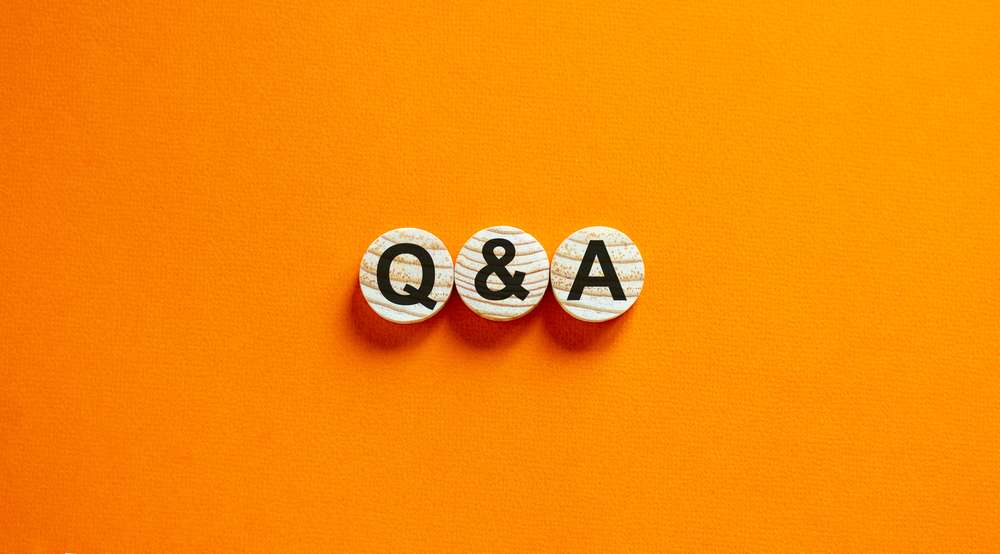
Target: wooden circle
[
  {"x": 529, "y": 257},
  {"x": 406, "y": 269},
  {"x": 596, "y": 302}
]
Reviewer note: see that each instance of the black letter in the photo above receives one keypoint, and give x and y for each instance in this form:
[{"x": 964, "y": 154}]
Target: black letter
[
  {"x": 511, "y": 283},
  {"x": 597, "y": 249},
  {"x": 416, "y": 295}
]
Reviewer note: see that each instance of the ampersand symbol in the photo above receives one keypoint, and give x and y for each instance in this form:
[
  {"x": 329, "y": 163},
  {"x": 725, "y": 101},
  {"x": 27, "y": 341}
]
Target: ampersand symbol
[{"x": 498, "y": 266}]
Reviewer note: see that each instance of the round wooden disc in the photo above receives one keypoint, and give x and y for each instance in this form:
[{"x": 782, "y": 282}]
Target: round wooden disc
[
  {"x": 529, "y": 257},
  {"x": 596, "y": 303},
  {"x": 406, "y": 269}
]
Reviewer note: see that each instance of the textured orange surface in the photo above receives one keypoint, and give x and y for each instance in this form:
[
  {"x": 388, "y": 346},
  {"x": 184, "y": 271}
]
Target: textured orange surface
[{"x": 186, "y": 192}]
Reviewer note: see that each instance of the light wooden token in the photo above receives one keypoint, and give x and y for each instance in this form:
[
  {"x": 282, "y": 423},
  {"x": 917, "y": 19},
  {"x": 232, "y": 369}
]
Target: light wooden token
[
  {"x": 597, "y": 302},
  {"x": 525, "y": 274},
  {"x": 409, "y": 293}
]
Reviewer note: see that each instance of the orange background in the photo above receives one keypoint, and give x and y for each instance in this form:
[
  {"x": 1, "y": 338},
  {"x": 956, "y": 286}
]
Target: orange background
[{"x": 186, "y": 362}]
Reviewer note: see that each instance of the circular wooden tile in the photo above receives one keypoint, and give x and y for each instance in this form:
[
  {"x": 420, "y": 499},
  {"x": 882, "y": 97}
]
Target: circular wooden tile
[
  {"x": 596, "y": 301},
  {"x": 499, "y": 275},
  {"x": 408, "y": 298}
]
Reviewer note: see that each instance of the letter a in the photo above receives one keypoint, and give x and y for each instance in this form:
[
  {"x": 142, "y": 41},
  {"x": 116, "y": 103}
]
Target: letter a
[{"x": 596, "y": 249}]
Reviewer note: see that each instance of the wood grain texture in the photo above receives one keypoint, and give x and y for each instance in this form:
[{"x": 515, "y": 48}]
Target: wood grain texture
[
  {"x": 530, "y": 257},
  {"x": 596, "y": 303},
  {"x": 406, "y": 269}
]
